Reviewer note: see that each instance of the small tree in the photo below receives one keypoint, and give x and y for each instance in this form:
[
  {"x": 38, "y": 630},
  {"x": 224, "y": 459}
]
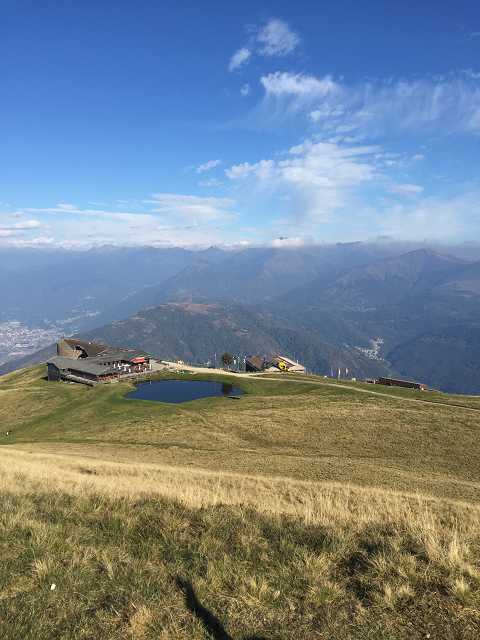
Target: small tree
[{"x": 227, "y": 359}]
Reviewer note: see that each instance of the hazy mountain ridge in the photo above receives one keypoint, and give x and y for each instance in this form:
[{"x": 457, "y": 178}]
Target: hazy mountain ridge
[
  {"x": 195, "y": 332},
  {"x": 56, "y": 286},
  {"x": 327, "y": 304},
  {"x": 448, "y": 359},
  {"x": 200, "y": 333},
  {"x": 260, "y": 275},
  {"x": 383, "y": 282},
  {"x": 398, "y": 300}
]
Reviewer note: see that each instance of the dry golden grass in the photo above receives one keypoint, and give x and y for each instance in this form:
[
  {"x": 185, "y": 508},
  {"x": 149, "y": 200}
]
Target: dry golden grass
[
  {"x": 304, "y": 559},
  {"x": 444, "y": 527},
  {"x": 309, "y": 432},
  {"x": 298, "y": 512}
]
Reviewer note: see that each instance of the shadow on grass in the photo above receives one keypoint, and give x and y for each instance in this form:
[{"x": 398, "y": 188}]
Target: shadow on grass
[{"x": 211, "y": 623}]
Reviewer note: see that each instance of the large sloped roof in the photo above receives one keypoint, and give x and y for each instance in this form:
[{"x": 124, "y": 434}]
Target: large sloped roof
[
  {"x": 255, "y": 361},
  {"x": 116, "y": 355},
  {"x": 84, "y": 365},
  {"x": 288, "y": 361},
  {"x": 92, "y": 349},
  {"x": 103, "y": 352}
]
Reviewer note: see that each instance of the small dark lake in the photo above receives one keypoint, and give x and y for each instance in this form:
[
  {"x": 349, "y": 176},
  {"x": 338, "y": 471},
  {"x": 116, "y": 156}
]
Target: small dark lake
[{"x": 177, "y": 391}]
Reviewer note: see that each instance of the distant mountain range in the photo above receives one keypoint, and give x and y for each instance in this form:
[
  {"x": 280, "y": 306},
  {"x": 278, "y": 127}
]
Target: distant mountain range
[
  {"x": 449, "y": 359},
  {"x": 76, "y": 287},
  {"x": 372, "y": 308}
]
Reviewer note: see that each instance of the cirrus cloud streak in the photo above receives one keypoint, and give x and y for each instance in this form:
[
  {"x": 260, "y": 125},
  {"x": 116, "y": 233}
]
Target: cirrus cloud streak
[{"x": 446, "y": 104}]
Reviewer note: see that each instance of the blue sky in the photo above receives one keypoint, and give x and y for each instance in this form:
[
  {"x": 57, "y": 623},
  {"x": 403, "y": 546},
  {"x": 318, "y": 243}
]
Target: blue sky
[{"x": 233, "y": 123}]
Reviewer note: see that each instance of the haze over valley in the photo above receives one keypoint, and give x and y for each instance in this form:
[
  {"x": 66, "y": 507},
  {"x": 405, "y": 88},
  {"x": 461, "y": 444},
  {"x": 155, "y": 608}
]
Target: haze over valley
[{"x": 369, "y": 308}]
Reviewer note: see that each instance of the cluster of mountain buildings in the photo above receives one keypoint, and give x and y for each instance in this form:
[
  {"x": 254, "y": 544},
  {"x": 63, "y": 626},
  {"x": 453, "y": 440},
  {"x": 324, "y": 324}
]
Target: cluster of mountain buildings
[
  {"x": 273, "y": 363},
  {"x": 92, "y": 363}
]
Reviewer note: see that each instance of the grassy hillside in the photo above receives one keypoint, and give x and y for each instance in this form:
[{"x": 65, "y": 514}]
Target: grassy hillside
[{"x": 308, "y": 509}]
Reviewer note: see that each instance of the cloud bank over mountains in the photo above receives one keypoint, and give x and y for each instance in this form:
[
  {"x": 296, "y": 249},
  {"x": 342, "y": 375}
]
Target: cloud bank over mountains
[
  {"x": 165, "y": 219},
  {"x": 324, "y": 184}
]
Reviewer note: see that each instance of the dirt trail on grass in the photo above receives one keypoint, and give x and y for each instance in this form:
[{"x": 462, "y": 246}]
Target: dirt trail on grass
[
  {"x": 320, "y": 383},
  {"x": 376, "y": 393}
]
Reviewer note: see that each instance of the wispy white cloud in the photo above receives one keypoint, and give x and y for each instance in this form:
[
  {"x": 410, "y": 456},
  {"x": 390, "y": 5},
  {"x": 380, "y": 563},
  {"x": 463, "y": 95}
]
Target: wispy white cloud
[
  {"x": 334, "y": 191},
  {"x": 406, "y": 189},
  {"x": 74, "y": 210},
  {"x": 66, "y": 206},
  {"x": 433, "y": 218},
  {"x": 39, "y": 241},
  {"x": 239, "y": 58},
  {"x": 210, "y": 182},
  {"x": 26, "y": 225},
  {"x": 276, "y": 38},
  {"x": 167, "y": 219},
  {"x": 314, "y": 180},
  {"x": 451, "y": 103},
  {"x": 263, "y": 169},
  {"x": 194, "y": 209},
  {"x": 245, "y": 89},
  {"x": 287, "y": 95},
  {"x": 208, "y": 166},
  {"x": 19, "y": 228},
  {"x": 298, "y": 85},
  {"x": 447, "y": 104},
  {"x": 326, "y": 112}
]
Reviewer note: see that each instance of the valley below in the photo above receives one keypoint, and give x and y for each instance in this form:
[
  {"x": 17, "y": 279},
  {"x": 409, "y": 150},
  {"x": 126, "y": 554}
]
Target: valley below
[{"x": 369, "y": 309}]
